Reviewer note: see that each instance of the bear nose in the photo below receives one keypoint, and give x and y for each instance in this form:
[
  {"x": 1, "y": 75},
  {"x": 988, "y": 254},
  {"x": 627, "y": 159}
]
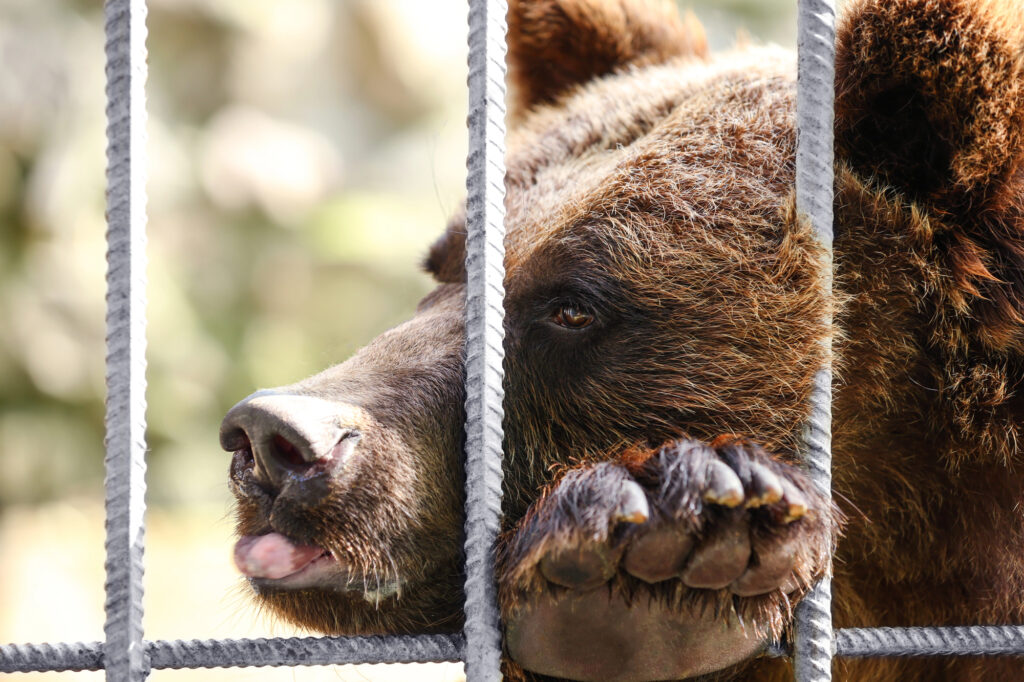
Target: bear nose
[{"x": 286, "y": 433}]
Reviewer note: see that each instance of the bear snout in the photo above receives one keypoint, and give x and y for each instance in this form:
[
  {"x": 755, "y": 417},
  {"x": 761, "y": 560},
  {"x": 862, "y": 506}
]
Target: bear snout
[{"x": 292, "y": 439}]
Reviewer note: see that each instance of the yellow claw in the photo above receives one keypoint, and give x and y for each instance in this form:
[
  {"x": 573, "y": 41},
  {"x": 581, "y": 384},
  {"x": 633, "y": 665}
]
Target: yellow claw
[{"x": 724, "y": 486}]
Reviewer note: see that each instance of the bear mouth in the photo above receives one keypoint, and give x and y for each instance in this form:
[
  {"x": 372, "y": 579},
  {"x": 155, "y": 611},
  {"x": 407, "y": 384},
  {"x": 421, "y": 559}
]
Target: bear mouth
[
  {"x": 273, "y": 562},
  {"x": 273, "y": 559}
]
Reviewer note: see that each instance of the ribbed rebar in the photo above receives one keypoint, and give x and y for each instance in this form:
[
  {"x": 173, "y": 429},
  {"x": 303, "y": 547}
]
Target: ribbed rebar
[
  {"x": 978, "y": 640},
  {"x": 124, "y": 655},
  {"x": 814, "y": 196},
  {"x": 975, "y": 640},
  {"x": 242, "y": 653},
  {"x": 485, "y": 273},
  {"x": 28, "y": 658}
]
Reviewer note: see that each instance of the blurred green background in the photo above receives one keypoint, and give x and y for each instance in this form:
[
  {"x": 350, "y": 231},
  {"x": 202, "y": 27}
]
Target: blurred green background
[{"x": 302, "y": 155}]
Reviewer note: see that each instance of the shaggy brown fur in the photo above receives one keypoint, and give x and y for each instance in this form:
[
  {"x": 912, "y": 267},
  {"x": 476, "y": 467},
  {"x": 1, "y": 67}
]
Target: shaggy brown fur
[
  {"x": 650, "y": 188},
  {"x": 556, "y": 44}
]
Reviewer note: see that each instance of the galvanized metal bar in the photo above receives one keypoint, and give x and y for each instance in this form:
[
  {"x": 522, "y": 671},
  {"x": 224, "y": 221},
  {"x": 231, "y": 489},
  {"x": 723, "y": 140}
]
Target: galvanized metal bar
[
  {"x": 977, "y": 640},
  {"x": 305, "y": 651},
  {"x": 64, "y": 656},
  {"x": 242, "y": 653},
  {"x": 485, "y": 269},
  {"x": 124, "y": 655},
  {"x": 813, "y": 643}
]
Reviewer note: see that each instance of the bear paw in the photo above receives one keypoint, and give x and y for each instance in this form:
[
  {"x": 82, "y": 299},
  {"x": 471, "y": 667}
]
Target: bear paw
[{"x": 680, "y": 564}]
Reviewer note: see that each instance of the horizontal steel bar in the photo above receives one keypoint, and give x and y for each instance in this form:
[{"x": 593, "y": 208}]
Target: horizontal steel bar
[
  {"x": 242, "y": 653},
  {"x": 30, "y": 658},
  {"x": 974, "y": 640},
  {"x": 967, "y": 640}
]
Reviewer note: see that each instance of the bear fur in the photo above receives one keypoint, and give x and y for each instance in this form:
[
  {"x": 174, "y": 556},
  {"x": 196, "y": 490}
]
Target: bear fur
[{"x": 665, "y": 316}]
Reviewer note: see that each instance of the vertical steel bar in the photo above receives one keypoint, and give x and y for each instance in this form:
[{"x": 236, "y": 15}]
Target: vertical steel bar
[
  {"x": 813, "y": 645},
  {"x": 124, "y": 653},
  {"x": 485, "y": 269}
]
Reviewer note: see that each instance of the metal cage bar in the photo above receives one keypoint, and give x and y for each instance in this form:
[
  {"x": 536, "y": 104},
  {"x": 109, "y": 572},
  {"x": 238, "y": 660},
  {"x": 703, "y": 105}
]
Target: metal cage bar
[
  {"x": 813, "y": 642},
  {"x": 242, "y": 653},
  {"x": 974, "y": 640},
  {"x": 126, "y": 656},
  {"x": 485, "y": 293},
  {"x": 980, "y": 640}
]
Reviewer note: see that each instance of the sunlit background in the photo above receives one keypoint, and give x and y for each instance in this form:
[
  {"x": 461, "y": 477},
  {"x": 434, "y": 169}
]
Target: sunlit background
[{"x": 302, "y": 155}]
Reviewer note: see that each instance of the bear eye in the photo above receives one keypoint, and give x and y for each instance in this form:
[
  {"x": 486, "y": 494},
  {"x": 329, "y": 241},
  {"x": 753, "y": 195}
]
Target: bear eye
[{"x": 571, "y": 317}]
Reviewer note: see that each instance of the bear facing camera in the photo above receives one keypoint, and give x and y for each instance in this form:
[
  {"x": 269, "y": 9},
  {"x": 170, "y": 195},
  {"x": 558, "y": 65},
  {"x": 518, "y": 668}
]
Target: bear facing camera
[{"x": 665, "y": 320}]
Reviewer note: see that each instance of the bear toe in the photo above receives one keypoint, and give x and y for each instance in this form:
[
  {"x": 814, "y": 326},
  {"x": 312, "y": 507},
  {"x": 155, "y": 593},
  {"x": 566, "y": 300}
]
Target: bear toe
[
  {"x": 770, "y": 569},
  {"x": 580, "y": 568},
  {"x": 658, "y": 554},
  {"x": 721, "y": 557}
]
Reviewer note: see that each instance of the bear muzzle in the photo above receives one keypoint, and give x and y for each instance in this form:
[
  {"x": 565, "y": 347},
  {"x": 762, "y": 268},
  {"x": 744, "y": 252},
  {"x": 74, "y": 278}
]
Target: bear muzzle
[{"x": 296, "y": 441}]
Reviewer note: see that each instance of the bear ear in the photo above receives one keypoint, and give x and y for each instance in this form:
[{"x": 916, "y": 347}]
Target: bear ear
[
  {"x": 930, "y": 96},
  {"x": 556, "y": 44}
]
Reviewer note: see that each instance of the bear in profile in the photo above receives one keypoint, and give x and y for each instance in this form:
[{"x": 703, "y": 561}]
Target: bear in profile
[{"x": 665, "y": 307}]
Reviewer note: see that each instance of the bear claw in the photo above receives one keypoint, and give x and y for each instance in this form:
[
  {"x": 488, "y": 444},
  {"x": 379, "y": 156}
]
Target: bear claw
[
  {"x": 724, "y": 486},
  {"x": 707, "y": 550},
  {"x": 633, "y": 506},
  {"x": 765, "y": 487},
  {"x": 796, "y": 502}
]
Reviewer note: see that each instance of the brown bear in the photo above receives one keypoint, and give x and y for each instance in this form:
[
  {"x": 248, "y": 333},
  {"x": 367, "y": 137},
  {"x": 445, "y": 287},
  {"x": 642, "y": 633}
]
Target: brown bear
[{"x": 665, "y": 313}]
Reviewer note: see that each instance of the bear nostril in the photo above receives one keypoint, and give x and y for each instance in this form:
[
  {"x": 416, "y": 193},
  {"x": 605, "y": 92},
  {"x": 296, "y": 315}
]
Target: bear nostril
[
  {"x": 287, "y": 437},
  {"x": 285, "y": 451}
]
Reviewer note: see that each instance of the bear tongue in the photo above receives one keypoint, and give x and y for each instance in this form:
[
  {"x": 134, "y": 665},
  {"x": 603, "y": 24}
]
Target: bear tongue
[{"x": 273, "y": 556}]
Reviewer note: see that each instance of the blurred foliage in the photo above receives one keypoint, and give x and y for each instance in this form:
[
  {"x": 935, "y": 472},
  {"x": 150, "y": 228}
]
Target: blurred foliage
[{"x": 301, "y": 156}]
